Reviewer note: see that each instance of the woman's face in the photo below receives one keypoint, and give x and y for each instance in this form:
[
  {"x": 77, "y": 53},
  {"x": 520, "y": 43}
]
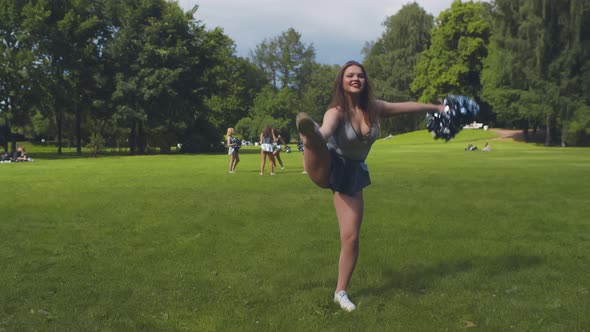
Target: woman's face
[{"x": 353, "y": 80}]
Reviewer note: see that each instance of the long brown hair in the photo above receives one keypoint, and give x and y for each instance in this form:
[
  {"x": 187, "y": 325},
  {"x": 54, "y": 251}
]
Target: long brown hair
[
  {"x": 366, "y": 99},
  {"x": 267, "y": 131}
]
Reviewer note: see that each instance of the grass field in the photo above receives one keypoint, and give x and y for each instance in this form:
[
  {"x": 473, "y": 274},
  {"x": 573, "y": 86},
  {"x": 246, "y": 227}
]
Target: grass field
[{"x": 451, "y": 241}]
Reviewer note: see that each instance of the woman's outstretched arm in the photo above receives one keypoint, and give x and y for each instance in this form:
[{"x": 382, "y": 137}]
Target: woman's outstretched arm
[{"x": 387, "y": 109}]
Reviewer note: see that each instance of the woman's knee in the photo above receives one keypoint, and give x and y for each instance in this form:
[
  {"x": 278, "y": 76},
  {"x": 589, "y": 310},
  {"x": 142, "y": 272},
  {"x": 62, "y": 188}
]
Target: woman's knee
[
  {"x": 319, "y": 180},
  {"x": 350, "y": 240}
]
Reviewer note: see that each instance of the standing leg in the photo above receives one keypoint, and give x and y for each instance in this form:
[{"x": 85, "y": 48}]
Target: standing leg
[
  {"x": 316, "y": 159},
  {"x": 271, "y": 158},
  {"x": 262, "y": 161},
  {"x": 303, "y": 162},
  {"x": 349, "y": 211},
  {"x": 236, "y": 161},
  {"x": 277, "y": 156}
]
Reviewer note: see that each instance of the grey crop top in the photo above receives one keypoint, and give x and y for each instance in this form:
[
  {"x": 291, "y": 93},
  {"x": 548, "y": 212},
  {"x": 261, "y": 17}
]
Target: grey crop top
[{"x": 346, "y": 142}]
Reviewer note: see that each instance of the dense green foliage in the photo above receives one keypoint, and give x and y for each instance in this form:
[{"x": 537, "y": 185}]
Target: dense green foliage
[
  {"x": 390, "y": 61},
  {"x": 152, "y": 243},
  {"x": 146, "y": 75},
  {"x": 453, "y": 62},
  {"x": 538, "y": 70}
]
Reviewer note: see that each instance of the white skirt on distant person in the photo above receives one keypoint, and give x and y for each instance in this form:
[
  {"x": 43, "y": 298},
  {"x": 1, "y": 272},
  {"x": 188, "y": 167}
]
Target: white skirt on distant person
[{"x": 266, "y": 147}]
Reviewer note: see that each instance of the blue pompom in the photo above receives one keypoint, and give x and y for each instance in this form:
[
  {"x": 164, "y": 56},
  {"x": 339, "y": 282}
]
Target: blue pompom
[{"x": 459, "y": 111}]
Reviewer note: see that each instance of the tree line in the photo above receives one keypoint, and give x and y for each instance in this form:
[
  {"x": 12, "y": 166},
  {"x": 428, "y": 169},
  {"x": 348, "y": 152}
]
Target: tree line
[{"x": 146, "y": 75}]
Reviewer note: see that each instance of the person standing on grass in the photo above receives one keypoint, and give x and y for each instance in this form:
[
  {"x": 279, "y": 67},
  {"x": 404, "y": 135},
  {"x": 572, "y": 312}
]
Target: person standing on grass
[
  {"x": 278, "y": 147},
  {"x": 267, "y": 137},
  {"x": 233, "y": 150},
  {"x": 335, "y": 154}
]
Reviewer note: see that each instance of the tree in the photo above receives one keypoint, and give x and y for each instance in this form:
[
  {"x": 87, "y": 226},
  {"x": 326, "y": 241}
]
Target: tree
[
  {"x": 390, "y": 61},
  {"x": 538, "y": 68},
  {"x": 238, "y": 81},
  {"x": 317, "y": 91},
  {"x": 283, "y": 58},
  {"x": 166, "y": 66},
  {"x": 68, "y": 35},
  {"x": 20, "y": 74},
  {"x": 454, "y": 61}
]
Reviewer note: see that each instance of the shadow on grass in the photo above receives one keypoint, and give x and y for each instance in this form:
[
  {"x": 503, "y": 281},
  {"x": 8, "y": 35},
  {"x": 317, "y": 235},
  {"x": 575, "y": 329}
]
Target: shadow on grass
[
  {"x": 419, "y": 278},
  {"x": 46, "y": 155}
]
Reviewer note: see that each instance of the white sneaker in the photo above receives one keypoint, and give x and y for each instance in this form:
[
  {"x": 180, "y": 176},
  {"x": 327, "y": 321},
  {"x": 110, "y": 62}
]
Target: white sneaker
[{"x": 342, "y": 299}]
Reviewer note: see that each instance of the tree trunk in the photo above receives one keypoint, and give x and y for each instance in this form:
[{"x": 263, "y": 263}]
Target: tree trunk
[
  {"x": 10, "y": 137},
  {"x": 58, "y": 123},
  {"x": 548, "y": 131},
  {"x": 140, "y": 138},
  {"x": 78, "y": 130},
  {"x": 132, "y": 138},
  {"x": 5, "y": 134}
]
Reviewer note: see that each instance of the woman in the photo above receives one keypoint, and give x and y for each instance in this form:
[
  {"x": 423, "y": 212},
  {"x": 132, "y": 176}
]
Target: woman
[
  {"x": 278, "y": 147},
  {"x": 233, "y": 150},
  {"x": 267, "y": 137},
  {"x": 20, "y": 154},
  {"x": 335, "y": 156}
]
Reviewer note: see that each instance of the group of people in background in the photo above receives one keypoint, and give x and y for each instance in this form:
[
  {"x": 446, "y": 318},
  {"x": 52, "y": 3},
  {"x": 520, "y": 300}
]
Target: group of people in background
[
  {"x": 20, "y": 155},
  {"x": 271, "y": 144}
]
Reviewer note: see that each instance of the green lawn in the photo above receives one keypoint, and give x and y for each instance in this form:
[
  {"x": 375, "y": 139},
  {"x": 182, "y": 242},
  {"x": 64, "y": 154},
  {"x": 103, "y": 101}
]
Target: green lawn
[{"x": 450, "y": 238}]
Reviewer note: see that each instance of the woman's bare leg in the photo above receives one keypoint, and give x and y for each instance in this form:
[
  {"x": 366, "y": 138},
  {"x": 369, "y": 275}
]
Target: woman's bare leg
[
  {"x": 277, "y": 156},
  {"x": 271, "y": 158},
  {"x": 262, "y": 161},
  {"x": 316, "y": 159},
  {"x": 236, "y": 160},
  {"x": 349, "y": 210}
]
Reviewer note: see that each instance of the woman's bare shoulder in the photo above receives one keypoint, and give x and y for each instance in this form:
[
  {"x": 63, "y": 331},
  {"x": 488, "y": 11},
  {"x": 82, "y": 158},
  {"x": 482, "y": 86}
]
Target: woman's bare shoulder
[
  {"x": 378, "y": 106},
  {"x": 334, "y": 112}
]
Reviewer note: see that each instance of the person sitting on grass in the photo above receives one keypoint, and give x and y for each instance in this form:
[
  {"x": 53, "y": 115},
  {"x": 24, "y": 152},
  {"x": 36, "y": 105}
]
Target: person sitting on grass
[{"x": 20, "y": 155}]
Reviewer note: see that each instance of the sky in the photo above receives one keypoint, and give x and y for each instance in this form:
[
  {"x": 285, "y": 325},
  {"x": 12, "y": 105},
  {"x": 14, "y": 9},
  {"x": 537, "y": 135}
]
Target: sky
[{"x": 338, "y": 29}]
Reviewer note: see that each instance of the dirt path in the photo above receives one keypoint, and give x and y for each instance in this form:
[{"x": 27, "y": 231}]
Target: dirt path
[{"x": 508, "y": 134}]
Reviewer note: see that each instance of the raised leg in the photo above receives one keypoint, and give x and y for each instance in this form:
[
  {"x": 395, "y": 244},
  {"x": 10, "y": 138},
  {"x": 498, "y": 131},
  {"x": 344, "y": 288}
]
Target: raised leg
[{"x": 316, "y": 158}]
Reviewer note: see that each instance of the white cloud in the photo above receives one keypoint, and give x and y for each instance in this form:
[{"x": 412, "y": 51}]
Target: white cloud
[{"x": 338, "y": 29}]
